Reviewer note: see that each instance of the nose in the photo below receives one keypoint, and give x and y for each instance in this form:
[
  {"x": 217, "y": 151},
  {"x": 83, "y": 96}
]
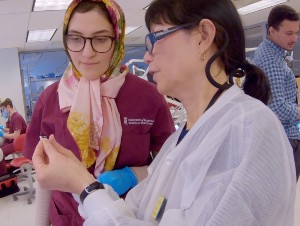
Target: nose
[
  {"x": 148, "y": 57},
  {"x": 296, "y": 37},
  {"x": 88, "y": 49}
]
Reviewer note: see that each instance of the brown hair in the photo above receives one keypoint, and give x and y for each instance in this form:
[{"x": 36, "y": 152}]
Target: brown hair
[
  {"x": 6, "y": 102},
  {"x": 281, "y": 13},
  {"x": 86, "y": 6}
]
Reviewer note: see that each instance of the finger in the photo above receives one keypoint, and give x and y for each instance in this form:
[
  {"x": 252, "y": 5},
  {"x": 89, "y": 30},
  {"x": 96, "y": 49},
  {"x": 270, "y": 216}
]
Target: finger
[
  {"x": 61, "y": 149},
  {"x": 38, "y": 157},
  {"x": 49, "y": 150}
]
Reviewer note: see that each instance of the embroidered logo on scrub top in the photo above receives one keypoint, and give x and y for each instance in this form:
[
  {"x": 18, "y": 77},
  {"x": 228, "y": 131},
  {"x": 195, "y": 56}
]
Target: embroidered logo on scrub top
[
  {"x": 138, "y": 121},
  {"x": 159, "y": 208}
]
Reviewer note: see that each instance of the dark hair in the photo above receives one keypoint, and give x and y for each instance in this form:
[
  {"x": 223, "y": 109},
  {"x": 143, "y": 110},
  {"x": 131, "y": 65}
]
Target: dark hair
[
  {"x": 227, "y": 21},
  {"x": 6, "y": 102},
  {"x": 280, "y": 13},
  {"x": 256, "y": 86},
  {"x": 86, "y": 6}
]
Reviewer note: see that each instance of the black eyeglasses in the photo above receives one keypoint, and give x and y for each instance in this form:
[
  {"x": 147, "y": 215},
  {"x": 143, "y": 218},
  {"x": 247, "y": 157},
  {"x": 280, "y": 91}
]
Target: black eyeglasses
[
  {"x": 153, "y": 37},
  {"x": 100, "y": 44}
]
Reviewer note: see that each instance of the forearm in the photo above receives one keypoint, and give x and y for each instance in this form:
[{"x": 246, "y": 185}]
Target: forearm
[
  {"x": 42, "y": 206},
  {"x": 10, "y": 136},
  {"x": 140, "y": 172},
  {"x": 85, "y": 179},
  {"x": 286, "y": 112}
]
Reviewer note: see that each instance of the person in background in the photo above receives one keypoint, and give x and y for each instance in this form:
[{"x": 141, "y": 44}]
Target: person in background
[
  {"x": 15, "y": 125},
  {"x": 113, "y": 121},
  {"x": 230, "y": 164},
  {"x": 270, "y": 56}
]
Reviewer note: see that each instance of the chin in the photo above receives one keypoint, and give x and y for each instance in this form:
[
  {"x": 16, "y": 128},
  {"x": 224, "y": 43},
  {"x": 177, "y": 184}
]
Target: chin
[
  {"x": 163, "y": 90},
  {"x": 90, "y": 75},
  {"x": 160, "y": 89},
  {"x": 289, "y": 48}
]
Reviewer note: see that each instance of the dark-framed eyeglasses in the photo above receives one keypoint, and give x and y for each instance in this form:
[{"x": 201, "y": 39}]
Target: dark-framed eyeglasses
[
  {"x": 153, "y": 37},
  {"x": 100, "y": 44}
]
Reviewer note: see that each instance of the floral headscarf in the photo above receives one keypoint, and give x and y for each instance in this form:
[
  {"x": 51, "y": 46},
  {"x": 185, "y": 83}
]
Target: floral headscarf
[{"x": 118, "y": 20}]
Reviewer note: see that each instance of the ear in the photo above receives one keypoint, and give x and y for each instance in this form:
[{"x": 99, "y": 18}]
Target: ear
[
  {"x": 272, "y": 30},
  {"x": 207, "y": 33}
]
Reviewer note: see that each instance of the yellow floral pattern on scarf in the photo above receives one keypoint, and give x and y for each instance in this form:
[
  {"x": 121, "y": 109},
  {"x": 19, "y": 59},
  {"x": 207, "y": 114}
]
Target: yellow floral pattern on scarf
[
  {"x": 112, "y": 156},
  {"x": 111, "y": 159},
  {"x": 80, "y": 130}
]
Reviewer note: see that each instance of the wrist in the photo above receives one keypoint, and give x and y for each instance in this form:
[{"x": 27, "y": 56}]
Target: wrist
[
  {"x": 84, "y": 182},
  {"x": 140, "y": 172},
  {"x": 133, "y": 176},
  {"x": 94, "y": 186}
]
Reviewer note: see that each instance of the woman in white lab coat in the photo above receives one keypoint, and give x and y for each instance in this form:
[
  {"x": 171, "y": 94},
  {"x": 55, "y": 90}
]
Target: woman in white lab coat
[{"x": 229, "y": 164}]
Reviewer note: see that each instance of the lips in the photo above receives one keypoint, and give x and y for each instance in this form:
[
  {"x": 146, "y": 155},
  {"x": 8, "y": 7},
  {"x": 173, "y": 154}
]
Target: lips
[
  {"x": 150, "y": 71},
  {"x": 88, "y": 63}
]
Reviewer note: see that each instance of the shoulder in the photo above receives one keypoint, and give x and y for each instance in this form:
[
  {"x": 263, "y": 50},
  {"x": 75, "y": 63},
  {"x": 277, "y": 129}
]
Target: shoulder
[
  {"x": 140, "y": 88},
  {"x": 133, "y": 80},
  {"x": 50, "y": 92},
  {"x": 254, "y": 113},
  {"x": 237, "y": 108},
  {"x": 16, "y": 116},
  {"x": 266, "y": 56}
]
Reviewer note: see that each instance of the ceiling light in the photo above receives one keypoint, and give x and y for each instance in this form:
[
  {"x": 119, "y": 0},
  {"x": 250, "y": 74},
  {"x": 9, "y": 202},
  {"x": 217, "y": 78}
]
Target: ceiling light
[
  {"x": 263, "y": 4},
  {"x": 40, "y": 35},
  {"x": 43, "y": 5},
  {"x": 131, "y": 29}
]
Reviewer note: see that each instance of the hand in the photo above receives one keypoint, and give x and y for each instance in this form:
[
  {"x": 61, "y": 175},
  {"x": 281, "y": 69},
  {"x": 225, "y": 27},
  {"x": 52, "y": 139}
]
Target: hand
[
  {"x": 1, "y": 133},
  {"x": 120, "y": 180},
  {"x": 1, "y": 155},
  {"x": 58, "y": 168}
]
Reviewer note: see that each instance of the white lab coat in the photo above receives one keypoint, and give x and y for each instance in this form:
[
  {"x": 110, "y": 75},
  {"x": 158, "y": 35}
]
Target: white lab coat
[{"x": 234, "y": 167}]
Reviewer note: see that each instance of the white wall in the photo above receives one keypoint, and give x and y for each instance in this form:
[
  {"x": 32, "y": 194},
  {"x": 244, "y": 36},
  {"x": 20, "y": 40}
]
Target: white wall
[{"x": 10, "y": 78}]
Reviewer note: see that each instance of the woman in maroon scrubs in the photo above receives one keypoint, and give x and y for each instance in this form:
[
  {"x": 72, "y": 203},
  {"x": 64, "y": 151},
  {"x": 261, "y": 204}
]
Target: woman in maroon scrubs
[{"x": 112, "y": 120}]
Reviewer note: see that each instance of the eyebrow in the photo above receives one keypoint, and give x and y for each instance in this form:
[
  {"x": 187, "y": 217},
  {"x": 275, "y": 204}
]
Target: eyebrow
[{"x": 102, "y": 32}]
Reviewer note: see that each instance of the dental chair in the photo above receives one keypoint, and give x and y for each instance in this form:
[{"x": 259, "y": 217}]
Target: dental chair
[{"x": 25, "y": 167}]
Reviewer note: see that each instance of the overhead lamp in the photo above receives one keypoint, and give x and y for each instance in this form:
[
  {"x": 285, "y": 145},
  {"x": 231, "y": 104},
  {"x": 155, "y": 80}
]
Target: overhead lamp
[
  {"x": 43, "y": 5},
  {"x": 131, "y": 29},
  {"x": 40, "y": 35},
  {"x": 263, "y": 4}
]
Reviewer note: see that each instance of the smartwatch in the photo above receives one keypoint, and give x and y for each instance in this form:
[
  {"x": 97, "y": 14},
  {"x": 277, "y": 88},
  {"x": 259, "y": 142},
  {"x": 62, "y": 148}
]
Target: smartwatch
[{"x": 90, "y": 189}]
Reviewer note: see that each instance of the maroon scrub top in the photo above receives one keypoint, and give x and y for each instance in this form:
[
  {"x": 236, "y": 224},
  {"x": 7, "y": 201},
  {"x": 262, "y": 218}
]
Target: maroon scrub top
[{"x": 146, "y": 124}]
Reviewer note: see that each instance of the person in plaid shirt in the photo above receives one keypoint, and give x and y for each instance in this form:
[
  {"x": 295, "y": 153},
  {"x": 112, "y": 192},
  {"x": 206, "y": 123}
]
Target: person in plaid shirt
[{"x": 270, "y": 56}]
